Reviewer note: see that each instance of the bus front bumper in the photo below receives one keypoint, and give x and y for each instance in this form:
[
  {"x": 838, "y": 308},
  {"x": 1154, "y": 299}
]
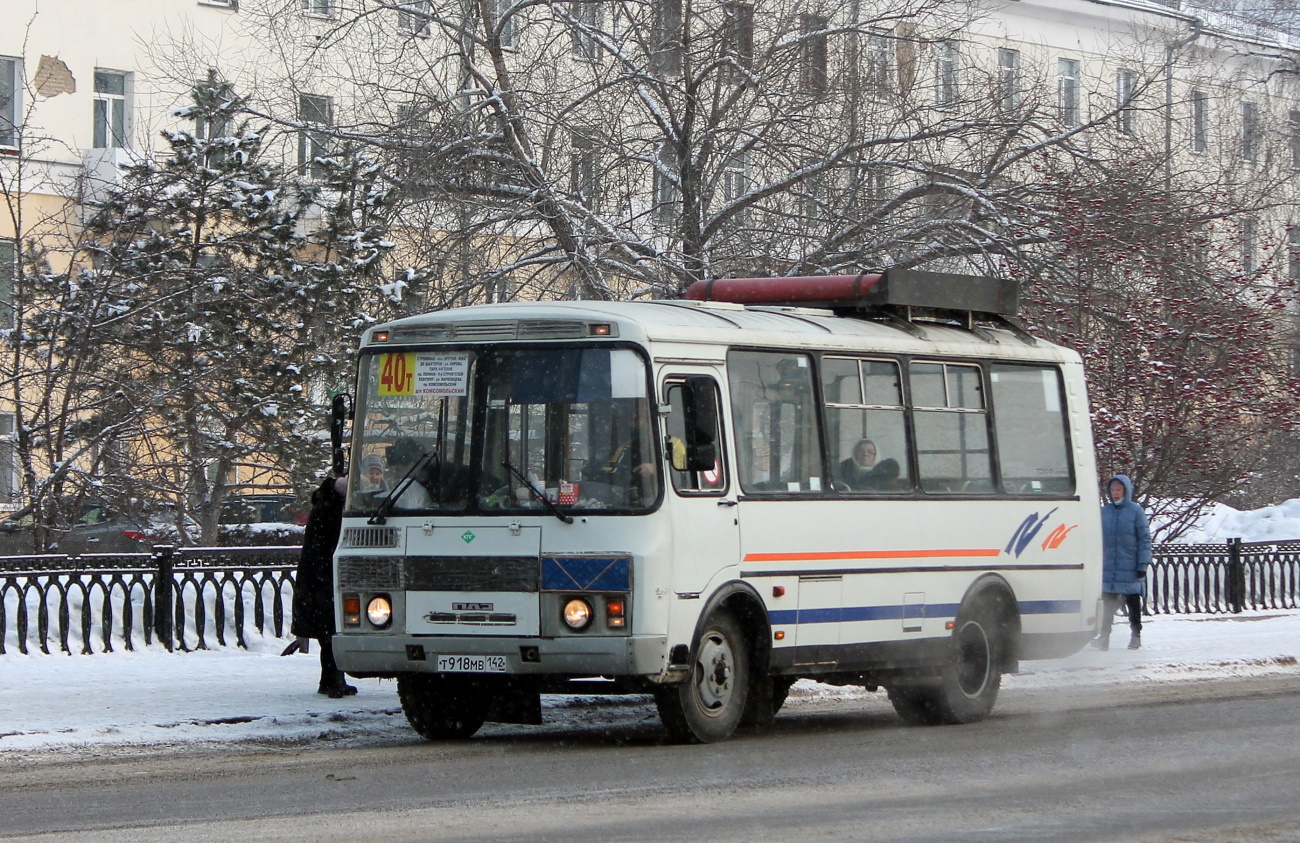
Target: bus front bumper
[{"x": 371, "y": 655}]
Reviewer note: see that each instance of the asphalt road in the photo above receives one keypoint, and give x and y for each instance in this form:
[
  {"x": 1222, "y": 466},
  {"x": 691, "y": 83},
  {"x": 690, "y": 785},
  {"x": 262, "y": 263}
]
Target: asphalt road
[{"x": 1205, "y": 761}]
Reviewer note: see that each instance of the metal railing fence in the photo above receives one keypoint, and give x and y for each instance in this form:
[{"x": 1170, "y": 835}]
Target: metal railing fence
[
  {"x": 1218, "y": 578},
  {"x": 180, "y": 597},
  {"x": 175, "y": 596}
]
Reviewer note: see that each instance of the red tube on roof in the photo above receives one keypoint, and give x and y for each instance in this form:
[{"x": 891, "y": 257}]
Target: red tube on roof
[{"x": 812, "y": 289}]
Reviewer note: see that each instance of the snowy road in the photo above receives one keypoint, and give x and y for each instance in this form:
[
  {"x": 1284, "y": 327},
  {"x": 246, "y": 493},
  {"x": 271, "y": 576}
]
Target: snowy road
[
  {"x": 1210, "y": 760},
  {"x": 1196, "y": 737}
]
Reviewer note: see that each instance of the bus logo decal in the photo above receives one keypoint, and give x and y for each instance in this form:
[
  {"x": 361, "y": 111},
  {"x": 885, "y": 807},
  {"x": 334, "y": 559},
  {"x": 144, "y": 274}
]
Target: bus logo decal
[
  {"x": 1054, "y": 538},
  {"x": 467, "y": 537},
  {"x": 1025, "y": 533}
]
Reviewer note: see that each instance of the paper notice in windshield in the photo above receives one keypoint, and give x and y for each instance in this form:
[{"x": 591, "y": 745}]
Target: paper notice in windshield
[
  {"x": 413, "y": 373},
  {"x": 441, "y": 374}
]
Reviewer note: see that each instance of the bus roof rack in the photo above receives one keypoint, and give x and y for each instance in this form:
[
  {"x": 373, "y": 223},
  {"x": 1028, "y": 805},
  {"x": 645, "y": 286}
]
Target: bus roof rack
[{"x": 896, "y": 295}]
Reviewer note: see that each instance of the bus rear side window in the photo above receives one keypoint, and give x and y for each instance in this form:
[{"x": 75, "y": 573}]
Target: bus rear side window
[
  {"x": 778, "y": 444},
  {"x": 952, "y": 434},
  {"x": 1033, "y": 448}
]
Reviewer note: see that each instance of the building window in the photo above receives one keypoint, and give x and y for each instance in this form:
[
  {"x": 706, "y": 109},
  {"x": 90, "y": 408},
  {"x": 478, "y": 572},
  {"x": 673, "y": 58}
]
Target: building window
[
  {"x": 110, "y": 109},
  {"x": 667, "y": 57},
  {"x": 316, "y": 115},
  {"x": 1067, "y": 89},
  {"x": 1293, "y": 137},
  {"x": 1293, "y": 267},
  {"x": 946, "y": 69},
  {"x": 879, "y": 60},
  {"x": 10, "y": 113},
  {"x": 1200, "y": 138},
  {"x": 667, "y": 196},
  {"x": 815, "y": 56},
  {"x": 8, "y": 459},
  {"x": 1125, "y": 92},
  {"x": 1249, "y": 131},
  {"x": 8, "y": 277},
  {"x": 584, "y": 177},
  {"x": 1009, "y": 80},
  {"x": 1247, "y": 244},
  {"x": 735, "y": 179},
  {"x": 413, "y": 18},
  {"x": 588, "y": 21},
  {"x": 738, "y": 36},
  {"x": 502, "y": 21},
  {"x": 321, "y": 8}
]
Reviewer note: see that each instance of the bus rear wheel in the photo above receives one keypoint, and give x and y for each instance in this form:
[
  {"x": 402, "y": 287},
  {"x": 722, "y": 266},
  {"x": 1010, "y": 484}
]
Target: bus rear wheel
[
  {"x": 967, "y": 685},
  {"x": 443, "y": 707},
  {"x": 708, "y": 706}
]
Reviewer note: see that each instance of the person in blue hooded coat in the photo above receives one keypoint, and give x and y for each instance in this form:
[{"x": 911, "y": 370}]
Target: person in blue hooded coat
[{"x": 1125, "y": 555}]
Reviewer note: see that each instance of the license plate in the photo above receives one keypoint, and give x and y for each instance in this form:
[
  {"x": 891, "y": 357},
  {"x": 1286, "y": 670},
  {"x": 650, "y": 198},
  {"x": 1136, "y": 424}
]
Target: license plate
[{"x": 471, "y": 664}]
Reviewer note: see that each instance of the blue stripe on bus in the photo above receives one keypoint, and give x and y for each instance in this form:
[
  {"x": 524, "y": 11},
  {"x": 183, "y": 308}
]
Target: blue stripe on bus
[{"x": 849, "y": 614}]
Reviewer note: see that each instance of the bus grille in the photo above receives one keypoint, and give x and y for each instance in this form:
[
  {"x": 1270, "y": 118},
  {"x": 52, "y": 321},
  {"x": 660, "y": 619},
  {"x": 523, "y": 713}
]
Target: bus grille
[
  {"x": 551, "y": 330},
  {"x": 472, "y": 573},
  {"x": 370, "y": 537},
  {"x": 370, "y": 572}
]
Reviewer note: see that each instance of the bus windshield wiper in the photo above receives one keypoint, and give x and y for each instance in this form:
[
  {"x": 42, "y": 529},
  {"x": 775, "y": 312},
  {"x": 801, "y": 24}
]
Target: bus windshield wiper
[
  {"x": 380, "y": 515},
  {"x": 555, "y": 510}
]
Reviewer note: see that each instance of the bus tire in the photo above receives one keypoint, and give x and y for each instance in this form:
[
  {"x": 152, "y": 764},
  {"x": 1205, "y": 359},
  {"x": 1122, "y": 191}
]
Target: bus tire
[
  {"x": 967, "y": 684},
  {"x": 443, "y": 707},
  {"x": 708, "y": 706}
]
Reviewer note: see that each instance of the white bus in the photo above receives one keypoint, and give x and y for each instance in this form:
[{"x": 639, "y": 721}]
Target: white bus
[{"x": 706, "y": 500}]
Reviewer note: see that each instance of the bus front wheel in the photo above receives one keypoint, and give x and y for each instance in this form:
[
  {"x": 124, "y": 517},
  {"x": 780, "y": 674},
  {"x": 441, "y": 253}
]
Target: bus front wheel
[
  {"x": 708, "y": 706},
  {"x": 443, "y": 707},
  {"x": 966, "y": 686}
]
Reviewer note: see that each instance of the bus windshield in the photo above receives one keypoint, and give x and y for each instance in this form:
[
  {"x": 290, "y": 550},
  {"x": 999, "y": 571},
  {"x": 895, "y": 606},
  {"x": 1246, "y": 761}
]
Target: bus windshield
[{"x": 571, "y": 425}]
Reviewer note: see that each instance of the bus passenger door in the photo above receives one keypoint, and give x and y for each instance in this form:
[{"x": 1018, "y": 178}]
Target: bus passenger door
[{"x": 702, "y": 496}]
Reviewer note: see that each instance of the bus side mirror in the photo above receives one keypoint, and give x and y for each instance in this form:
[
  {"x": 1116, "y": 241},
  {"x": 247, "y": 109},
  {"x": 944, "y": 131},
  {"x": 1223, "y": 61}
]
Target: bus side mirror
[
  {"x": 700, "y": 408},
  {"x": 340, "y": 413}
]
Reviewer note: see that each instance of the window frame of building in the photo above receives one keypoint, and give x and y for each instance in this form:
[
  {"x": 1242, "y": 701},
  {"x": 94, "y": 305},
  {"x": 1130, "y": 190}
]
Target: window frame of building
[
  {"x": 1125, "y": 96},
  {"x": 667, "y": 194},
  {"x": 1293, "y": 266},
  {"x": 584, "y": 169},
  {"x": 9, "y": 484},
  {"x": 737, "y": 37},
  {"x": 947, "y": 73},
  {"x": 8, "y": 282},
  {"x": 589, "y": 18},
  {"x": 111, "y": 113},
  {"x": 1008, "y": 80},
  {"x": 503, "y": 22},
  {"x": 415, "y": 18},
  {"x": 11, "y": 101},
  {"x": 879, "y": 61},
  {"x": 1199, "y": 138},
  {"x": 1068, "y": 90},
  {"x": 1250, "y": 136},
  {"x": 313, "y": 136},
  {"x": 1247, "y": 244},
  {"x": 319, "y": 8},
  {"x": 1293, "y": 137},
  {"x": 815, "y": 53},
  {"x": 667, "y": 49}
]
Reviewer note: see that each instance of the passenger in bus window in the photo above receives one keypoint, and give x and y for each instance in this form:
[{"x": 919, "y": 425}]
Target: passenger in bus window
[
  {"x": 372, "y": 485},
  {"x": 861, "y": 473}
]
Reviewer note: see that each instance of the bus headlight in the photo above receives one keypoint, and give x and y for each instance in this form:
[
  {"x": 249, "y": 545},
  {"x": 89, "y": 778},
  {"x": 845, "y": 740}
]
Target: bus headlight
[
  {"x": 379, "y": 611},
  {"x": 577, "y": 614}
]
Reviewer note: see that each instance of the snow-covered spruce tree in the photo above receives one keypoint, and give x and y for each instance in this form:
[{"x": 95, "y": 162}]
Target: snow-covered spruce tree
[
  {"x": 237, "y": 322},
  {"x": 1182, "y": 340}
]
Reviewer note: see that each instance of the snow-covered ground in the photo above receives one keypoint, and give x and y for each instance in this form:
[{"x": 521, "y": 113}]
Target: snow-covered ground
[{"x": 122, "y": 702}]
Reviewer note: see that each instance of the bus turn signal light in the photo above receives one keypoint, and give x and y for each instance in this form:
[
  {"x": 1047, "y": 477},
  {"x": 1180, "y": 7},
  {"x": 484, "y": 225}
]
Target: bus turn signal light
[
  {"x": 615, "y": 612},
  {"x": 351, "y": 610}
]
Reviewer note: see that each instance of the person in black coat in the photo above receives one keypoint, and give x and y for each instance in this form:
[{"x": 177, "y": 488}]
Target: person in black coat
[{"x": 313, "y": 591}]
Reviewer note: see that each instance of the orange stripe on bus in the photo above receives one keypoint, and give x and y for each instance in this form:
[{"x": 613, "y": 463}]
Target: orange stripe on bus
[{"x": 868, "y": 554}]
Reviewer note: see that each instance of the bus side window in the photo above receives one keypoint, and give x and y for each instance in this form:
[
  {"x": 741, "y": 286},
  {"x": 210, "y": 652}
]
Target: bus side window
[
  {"x": 694, "y": 416},
  {"x": 952, "y": 434},
  {"x": 1033, "y": 444},
  {"x": 778, "y": 439},
  {"x": 865, "y": 425}
]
